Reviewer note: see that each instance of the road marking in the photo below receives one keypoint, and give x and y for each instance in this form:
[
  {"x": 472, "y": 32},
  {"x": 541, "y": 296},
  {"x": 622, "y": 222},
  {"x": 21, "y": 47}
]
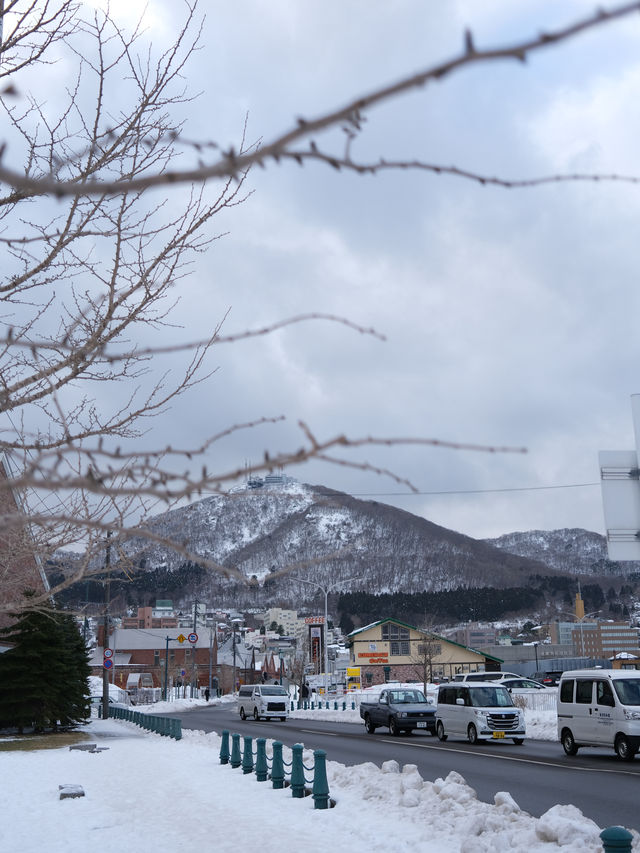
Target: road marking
[
  {"x": 535, "y": 761},
  {"x": 319, "y": 732}
]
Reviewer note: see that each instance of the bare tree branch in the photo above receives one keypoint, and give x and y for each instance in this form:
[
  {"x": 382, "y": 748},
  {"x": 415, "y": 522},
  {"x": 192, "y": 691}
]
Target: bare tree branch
[{"x": 232, "y": 164}]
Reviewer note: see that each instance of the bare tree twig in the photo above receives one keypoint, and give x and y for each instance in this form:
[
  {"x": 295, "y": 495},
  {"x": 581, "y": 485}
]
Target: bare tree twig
[{"x": 232, "y": 163}]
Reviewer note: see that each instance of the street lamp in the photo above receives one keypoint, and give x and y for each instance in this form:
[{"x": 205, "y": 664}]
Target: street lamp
[{"x": 326, "y": 590}]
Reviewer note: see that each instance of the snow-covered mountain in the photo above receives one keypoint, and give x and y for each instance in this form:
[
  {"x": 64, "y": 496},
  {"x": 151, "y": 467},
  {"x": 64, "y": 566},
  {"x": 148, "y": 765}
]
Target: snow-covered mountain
[
  {"x": 274, "y": 533},
  {"x": 569, "y": 550}
]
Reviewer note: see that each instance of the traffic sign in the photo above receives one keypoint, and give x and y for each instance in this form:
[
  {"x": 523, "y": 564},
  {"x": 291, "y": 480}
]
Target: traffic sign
[
  {"x": 181, "y": 638},
  {"x": 193, "y": 637},
  {"x": 108, "y": 653},
  {"x": 107, "y": 663}
]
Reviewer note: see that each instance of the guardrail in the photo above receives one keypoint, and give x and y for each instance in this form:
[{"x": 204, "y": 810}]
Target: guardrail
[
  {"x": 259, "y": 762},
  {"x": 166, "y": 726}
]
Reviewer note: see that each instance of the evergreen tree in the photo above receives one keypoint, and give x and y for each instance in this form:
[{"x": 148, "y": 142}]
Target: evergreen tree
[{"x": 43, "y": 677}]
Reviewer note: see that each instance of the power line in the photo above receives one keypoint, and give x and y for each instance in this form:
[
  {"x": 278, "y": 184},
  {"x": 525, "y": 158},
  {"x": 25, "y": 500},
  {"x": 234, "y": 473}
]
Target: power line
[{"x": 466, "y": 491}]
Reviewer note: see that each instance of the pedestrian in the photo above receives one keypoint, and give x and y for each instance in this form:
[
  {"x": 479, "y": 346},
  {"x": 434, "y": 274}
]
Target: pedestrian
[
  {"x": 304, "y": 692},
  {"x": 206, "y": 693}
]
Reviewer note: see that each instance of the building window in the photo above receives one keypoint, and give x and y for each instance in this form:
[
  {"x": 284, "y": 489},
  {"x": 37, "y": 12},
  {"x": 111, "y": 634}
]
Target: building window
[
  {"x": 394, "y": 632},
  {"x": 433, "y": 649},
  {"x": 399, "y": 647},
  {"x": 156, "y": 658}
]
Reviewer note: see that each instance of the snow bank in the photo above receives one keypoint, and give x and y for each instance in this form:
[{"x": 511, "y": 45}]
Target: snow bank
[{"x": 155, "y": 795}]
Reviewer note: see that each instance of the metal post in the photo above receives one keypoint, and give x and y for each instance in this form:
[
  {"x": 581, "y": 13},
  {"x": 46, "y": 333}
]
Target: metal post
[
  {"x": 277, "y": 766},
  {"x": 261, "y": 759},
  {"x": 224, "y": 747},
  {"x": 107, "y": 595},
  {"x": 297, "y": 771},
  {"x": 320, "y": 785},
  {"x": 235, "y": 759},
  {"x": 210, "y": 661},
  {"x": 166, "y": 669},
  {"x": 233, "y": 638},
  {"x": 616, "y": 839},
  {"x": 326, "y": 638},
  {"x": 247, "y": 755}
]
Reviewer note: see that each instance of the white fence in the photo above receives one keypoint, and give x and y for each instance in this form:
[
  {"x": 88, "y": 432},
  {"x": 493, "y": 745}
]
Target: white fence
[{"x": 537, "y": 700}]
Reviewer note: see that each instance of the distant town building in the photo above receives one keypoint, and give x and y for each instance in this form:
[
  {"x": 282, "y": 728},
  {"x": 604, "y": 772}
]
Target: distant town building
[
  {"x": 160, "y": 616},
  {"x": 605, "y": 639},
  {"x": 475, "y": 634},
  {"x": 390, "y": 650}
]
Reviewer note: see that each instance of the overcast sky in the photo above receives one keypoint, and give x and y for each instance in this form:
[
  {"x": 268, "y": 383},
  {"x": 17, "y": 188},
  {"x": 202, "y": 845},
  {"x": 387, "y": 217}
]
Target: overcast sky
[{"x": 510, "y": 315}]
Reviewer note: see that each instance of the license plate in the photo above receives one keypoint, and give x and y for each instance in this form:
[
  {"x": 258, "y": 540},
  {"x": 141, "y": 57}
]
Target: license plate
[
  {"x": 422, "y": 725},
  {"x": 498, "y": 734}
]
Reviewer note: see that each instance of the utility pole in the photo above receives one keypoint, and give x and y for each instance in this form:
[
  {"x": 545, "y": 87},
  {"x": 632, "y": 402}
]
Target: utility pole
[
  {"x": 166, "y": 665},
  {"x": 233, "y": 637},
  {"x": 107, "y": 595},
  {"x": 194, "y": 677}
]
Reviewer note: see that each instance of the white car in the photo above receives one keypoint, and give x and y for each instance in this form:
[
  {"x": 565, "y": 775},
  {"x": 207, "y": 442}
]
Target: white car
[
  {"x": 522, "y": 685},
  {"x": 478, "y": 711},
  {"x": 485, "y": 676}
]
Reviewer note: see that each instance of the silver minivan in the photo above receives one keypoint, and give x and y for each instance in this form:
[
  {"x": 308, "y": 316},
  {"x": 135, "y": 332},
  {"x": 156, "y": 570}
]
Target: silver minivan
[
  {"x": 263, "y": 701},
  {"x": 600, "y": 707},
  {"x": 478, "y": 711}
]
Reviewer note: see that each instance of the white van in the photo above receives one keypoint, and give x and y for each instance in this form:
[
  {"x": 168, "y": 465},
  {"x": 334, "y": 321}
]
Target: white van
[
  {"x": 478, "y": 711},
  {"x": 600, "y": 707},
  {"x": 263, "y": 701}
]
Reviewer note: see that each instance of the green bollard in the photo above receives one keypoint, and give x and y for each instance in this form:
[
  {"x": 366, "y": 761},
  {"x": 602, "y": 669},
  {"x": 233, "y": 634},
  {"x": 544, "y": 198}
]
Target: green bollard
[
  {"x": 297, "y": 771},
  {"x": 277, "y": 766},
  {"x": 344, "y": 706},
  {"x": 247, "y": 755},
  {"x": 313, "y": 706},
  {"x": 353, "y": 706},
  {"x": 235, "y": 759},
  {"x": 616, "y": 839},
  {"x": 224, "y": 747},
  {"x": 320, "y": 785},
  {"x": 335, "y": 706},
  {"x": 261, "y": 760}
]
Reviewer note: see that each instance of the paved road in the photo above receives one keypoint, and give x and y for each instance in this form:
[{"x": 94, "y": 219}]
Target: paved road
[{"x": 538, "y": 774}]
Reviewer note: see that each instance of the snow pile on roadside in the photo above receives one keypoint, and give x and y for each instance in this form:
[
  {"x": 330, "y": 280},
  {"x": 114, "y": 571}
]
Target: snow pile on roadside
[
  {"x": 145, "y": 792},
  {"x": 453, "y": 815}
]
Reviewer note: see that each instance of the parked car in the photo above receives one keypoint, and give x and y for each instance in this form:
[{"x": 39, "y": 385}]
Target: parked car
[
  {"x": 478, "y": 711},
  {"x": 522, "y": 685},
  {"x": 485, "y": 676},
  {"x": 401, "y": 709},
  {"x": 599, "y": 707},
  {"x": 549, "y": 679}
]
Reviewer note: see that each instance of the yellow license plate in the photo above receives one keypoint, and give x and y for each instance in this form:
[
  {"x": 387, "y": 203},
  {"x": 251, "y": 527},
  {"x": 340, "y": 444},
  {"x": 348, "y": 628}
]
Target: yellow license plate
[{"x": 498, "y": 734}]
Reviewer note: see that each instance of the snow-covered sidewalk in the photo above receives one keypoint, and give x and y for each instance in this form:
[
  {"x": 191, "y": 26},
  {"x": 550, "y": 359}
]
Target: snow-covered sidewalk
[{"x": 154, "y": 795}]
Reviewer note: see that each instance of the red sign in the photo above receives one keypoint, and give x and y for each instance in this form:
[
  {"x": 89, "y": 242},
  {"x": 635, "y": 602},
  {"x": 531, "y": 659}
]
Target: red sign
[
  {"x": 193, "y": 637},
  {"x": 314, "y": 620},
  {"x": 107, "y": 663},
  {"x": 108, "y": 653}
]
